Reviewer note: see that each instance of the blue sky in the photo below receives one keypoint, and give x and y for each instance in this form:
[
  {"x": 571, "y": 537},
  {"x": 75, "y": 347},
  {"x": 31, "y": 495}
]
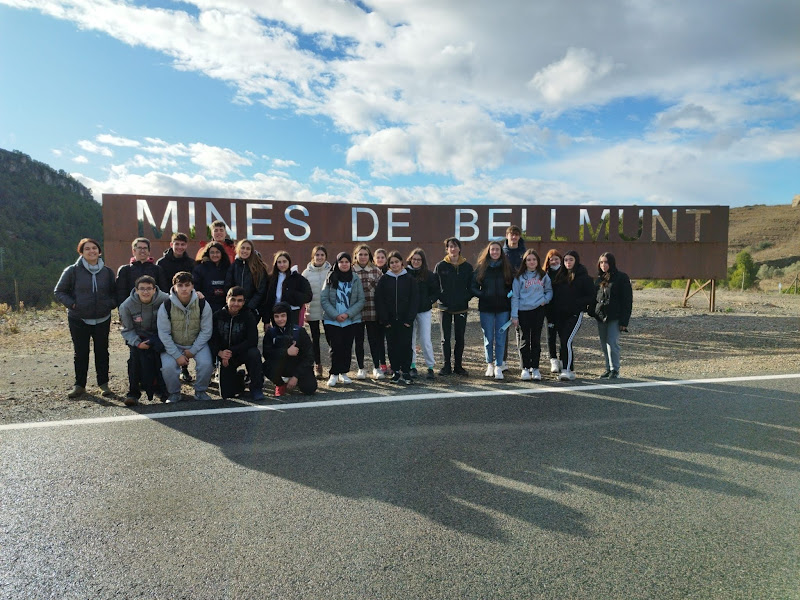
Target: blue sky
[{"x": 410, "y": 101}]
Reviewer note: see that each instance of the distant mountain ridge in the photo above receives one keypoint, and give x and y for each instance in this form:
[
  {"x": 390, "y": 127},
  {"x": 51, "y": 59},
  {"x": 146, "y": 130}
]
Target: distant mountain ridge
[
  {"x": 43, "y": 215},
  {"x": 17, "y": 162}
]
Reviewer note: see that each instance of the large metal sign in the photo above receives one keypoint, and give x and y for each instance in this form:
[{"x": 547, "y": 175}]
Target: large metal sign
[{"x": 665, "y": 242}]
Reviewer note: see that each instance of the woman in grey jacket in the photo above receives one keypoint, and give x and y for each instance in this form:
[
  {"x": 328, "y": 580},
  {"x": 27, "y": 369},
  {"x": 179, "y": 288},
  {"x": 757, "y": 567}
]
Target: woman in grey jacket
[
  {"x": 88, "y": 290},
  {"x": 342, "y": 301},
  {"x": 531, "y": 291}
]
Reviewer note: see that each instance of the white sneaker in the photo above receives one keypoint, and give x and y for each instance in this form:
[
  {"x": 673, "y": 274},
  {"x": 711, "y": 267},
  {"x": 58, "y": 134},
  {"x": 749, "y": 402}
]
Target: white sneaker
[
  {"x": 498, "y": 372},
  {"x": 362, "y": 374},
  {"x": 555, "y": 365},
  {"x": 343, "y": 378},
  {"x": 526, "y": 375},
  {"x": 378, "y": 374},
  {"x": 332, "y": 380},
  {"x": 536, "y": 375},
  {"x": 504, "y": 367},
  {"x": 567, "y": 375},
  {"x": 489, "y": 370}
]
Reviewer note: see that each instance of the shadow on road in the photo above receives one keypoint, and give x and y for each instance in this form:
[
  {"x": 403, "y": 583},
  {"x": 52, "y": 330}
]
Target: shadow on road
[{"x": 476, "y": 465}]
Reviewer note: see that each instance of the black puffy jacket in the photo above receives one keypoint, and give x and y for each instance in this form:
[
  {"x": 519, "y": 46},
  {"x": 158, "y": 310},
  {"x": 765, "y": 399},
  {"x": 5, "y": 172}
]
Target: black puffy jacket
[{"x": 493, "y": 291}]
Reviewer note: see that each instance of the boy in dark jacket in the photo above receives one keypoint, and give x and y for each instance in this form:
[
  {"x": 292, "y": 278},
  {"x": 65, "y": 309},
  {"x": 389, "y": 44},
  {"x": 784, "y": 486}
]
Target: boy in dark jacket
[
  {"x": 141, "y": 263},
  {"x": 455, "y": 277},
  {"x": 176, "y": 258},
  {"x": 234, "y": 342},
  {"x": 288, "y": 354}
]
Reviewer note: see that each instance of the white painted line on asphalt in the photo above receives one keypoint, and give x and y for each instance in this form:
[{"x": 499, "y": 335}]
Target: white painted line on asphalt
[{"x": 494, "y": 392}]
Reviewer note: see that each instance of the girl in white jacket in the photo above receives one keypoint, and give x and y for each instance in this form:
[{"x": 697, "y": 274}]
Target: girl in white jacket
[
  {"x": 316, "y": 272},
  {"x": 531, "y": 290}
]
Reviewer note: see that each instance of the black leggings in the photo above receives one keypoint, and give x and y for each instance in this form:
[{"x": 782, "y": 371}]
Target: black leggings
[
  {"x": 399, "y": 338},
  {"x": 376, "y": 346},
  {"x": 530, "y": 334},
  {"x": 314, "y": 326}
]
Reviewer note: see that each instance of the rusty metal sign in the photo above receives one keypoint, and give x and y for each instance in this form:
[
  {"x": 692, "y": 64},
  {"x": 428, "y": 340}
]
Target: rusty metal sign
[{"x": 663, "y": 242}]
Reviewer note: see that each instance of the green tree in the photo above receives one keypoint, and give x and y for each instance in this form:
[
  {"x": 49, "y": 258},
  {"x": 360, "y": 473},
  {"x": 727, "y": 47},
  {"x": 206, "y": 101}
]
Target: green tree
[{"x": 742, "y": 275}]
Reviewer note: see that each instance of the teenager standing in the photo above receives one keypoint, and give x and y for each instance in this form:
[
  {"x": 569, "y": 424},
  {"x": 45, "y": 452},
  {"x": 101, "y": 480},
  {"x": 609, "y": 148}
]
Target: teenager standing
[
  {"x": 369, "y": 274},
  {"x": 396, "y": 301},
  {"x": 342, "y": 301},
  {"x": 573, "y": 290},
  {"x": 428, "y": 295},
  {"x": 531, "y": 291},
  {"x": 612, "y": 310},
  {"x": 491, "y": 284},
  {"x": 316, "y": 273},
  {"x": 88, "y": 290},
  {"x": 454, "y": 275}
]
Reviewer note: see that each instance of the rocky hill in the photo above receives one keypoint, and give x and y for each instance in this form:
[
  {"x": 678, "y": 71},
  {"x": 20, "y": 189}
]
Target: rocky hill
[{"x": 43, "y": 214}]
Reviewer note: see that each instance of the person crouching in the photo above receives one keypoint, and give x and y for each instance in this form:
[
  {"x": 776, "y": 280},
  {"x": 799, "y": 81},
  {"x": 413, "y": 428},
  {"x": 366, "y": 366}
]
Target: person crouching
[
  {"x": 234, "y": 342},
  {"x": 288, "y": 354}
]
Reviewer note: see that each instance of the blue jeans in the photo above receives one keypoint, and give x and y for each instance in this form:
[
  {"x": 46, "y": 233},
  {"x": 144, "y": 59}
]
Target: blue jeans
[
  {"x": 494, "y": 340},
  {"x": 609, "y": 343}
]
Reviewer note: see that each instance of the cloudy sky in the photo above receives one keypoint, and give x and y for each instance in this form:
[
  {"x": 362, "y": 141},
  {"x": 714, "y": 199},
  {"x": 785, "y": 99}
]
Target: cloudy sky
[{"x": 532, "y": 101}]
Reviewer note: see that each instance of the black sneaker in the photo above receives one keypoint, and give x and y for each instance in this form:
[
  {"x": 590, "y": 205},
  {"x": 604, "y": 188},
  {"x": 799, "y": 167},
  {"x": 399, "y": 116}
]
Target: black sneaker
[
  {"x": 605, "y": 375},
  {"x": 461, "y": 371},
  {"x": 413, "y": 373},
  {"x": 131, "y": 400},
  {"x": 406, "y": 379},
  {"x": 445, "y": 371},
  {"x": 430, "y": 374},
  {"x": 396, "y": 377},
  {"x": 614, "y": 375},
  {"x": 186, "y": 377}
]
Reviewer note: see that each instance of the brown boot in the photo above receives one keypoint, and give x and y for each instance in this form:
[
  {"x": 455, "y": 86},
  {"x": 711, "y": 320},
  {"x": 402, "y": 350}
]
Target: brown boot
[{"x": 77, "y": 391}]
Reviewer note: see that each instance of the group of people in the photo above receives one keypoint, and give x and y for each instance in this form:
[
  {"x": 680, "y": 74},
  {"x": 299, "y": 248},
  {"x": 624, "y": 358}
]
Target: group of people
[{"x": 207, "y": 308}]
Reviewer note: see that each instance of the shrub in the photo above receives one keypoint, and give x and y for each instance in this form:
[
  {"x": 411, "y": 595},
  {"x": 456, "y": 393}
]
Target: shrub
[{"x": 742, "y": 275}]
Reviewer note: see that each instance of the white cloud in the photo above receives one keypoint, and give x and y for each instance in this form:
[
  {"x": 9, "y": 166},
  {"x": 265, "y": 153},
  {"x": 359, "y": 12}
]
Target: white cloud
[
  {"x": 89, "y": 146},
  {"x": 281, "y": 163},
  {"x": 81, "y": 159},
  {"x": 113, "y": 140},
  {"x": 217, "y": 162},
  {"x": 460, "y": 88},
  {"x": 568, "y": 77}
]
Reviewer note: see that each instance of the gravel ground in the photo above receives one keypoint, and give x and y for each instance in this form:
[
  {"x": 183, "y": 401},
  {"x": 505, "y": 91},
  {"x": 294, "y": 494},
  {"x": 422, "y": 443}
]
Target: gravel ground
[{"x": 751, "y": 333}]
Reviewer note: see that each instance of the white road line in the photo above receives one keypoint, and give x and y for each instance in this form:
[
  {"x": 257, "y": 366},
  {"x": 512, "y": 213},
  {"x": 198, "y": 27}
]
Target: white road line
[{"x": 494, "y": 392}]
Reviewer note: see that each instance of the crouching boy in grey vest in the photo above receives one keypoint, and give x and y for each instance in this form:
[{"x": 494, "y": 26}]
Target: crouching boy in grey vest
[{"x": 184, "y": 327}]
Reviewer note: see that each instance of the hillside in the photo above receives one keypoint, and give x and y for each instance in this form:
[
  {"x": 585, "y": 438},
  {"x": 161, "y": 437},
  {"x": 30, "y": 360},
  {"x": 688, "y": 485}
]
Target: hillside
[
  {"x": 770, "y": 233},
  {"x": 44, "y": 213}
]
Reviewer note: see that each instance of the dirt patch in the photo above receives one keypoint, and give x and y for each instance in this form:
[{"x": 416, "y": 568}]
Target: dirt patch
[{"x": 751, "y": 333}]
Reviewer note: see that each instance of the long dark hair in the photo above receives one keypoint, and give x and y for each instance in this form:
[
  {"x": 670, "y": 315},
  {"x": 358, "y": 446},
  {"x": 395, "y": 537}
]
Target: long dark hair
[
  {"x": 224, "y": 261},
  {"x": 278, "y": 254},
  {"x": 255, "y": 264},
  {"x": 422, "y": 274},
  {"x": 612, "y": 268},
  {"x": 523, "y": 268},
  {"x": 485, "y": 259}
]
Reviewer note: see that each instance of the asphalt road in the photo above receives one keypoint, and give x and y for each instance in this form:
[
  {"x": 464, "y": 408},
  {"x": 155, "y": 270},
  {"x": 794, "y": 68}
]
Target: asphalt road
[{"x": 593, "y": 492}]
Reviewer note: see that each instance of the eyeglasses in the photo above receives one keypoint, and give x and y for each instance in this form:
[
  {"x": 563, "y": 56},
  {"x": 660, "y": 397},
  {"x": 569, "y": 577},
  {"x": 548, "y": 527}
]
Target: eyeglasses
[
  {"x": 142, "y": 248},
  {"x": 146, "y": 289}
]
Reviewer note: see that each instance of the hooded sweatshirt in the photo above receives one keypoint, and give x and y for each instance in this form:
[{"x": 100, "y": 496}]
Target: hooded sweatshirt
[
  {"x": 187, "y": 327},
  {"x": 529, "y": 292},
  {"x": 139, "y": 320}
]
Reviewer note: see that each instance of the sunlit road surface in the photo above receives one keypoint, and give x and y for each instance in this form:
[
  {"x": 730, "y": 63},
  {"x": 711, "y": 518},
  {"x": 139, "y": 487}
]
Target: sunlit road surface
[{"x": 685, "y": 489}]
